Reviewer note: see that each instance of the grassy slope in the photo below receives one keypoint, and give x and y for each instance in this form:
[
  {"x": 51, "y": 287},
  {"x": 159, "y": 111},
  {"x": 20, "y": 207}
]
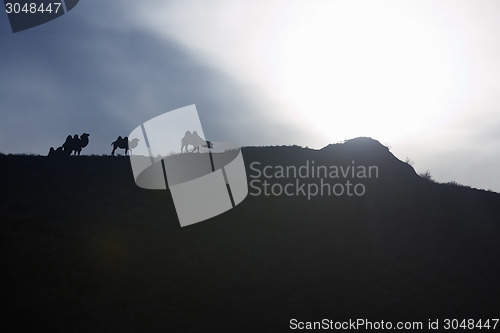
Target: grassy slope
[{"x": 84, "y": 249}]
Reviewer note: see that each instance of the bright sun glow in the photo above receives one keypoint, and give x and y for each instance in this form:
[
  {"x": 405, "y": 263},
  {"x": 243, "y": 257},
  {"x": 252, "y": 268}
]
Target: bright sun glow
[
  {"x": 352, "y": 70},
  {"x": 392, "y": 70}
]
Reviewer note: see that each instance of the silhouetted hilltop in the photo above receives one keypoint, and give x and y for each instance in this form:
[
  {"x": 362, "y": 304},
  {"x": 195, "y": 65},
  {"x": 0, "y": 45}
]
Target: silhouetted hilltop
[
  {"x": 84, "y": 249},
  {"x": 363, "y": 151},
  {"x": 368, "y": 150}
]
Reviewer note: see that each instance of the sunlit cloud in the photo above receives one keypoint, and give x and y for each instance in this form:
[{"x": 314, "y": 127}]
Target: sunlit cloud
[{"x": 346, "y": 68}]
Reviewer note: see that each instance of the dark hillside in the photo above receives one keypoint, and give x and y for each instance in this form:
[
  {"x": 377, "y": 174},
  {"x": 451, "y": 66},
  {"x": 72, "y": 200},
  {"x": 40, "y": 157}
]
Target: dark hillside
[{"x": 83, "y": 249}]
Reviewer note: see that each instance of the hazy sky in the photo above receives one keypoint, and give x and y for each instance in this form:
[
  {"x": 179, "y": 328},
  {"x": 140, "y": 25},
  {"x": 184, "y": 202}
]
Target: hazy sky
[{"x": 422, "y": 77}]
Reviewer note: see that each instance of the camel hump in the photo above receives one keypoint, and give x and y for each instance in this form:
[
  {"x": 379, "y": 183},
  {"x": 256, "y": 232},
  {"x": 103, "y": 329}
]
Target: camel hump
[
  {"x": 117, "y": 140},
  {"x": 197, "y": 136}
]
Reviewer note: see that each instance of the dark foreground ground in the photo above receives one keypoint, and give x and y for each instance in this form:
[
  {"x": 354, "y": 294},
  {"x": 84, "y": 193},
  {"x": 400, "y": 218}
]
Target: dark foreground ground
[{"x": 83, "y": 249}]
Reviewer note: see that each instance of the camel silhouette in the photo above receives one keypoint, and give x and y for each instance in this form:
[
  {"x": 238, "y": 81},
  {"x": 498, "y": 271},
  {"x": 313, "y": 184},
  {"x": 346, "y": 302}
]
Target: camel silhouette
[
  {"x": 56, "y": 152},
  {"x": 193, "y": 139},
  {"x": 79, "y": 143},
  {"x": 71, "y": 145},
  {"x": 124, "y": 143}
]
